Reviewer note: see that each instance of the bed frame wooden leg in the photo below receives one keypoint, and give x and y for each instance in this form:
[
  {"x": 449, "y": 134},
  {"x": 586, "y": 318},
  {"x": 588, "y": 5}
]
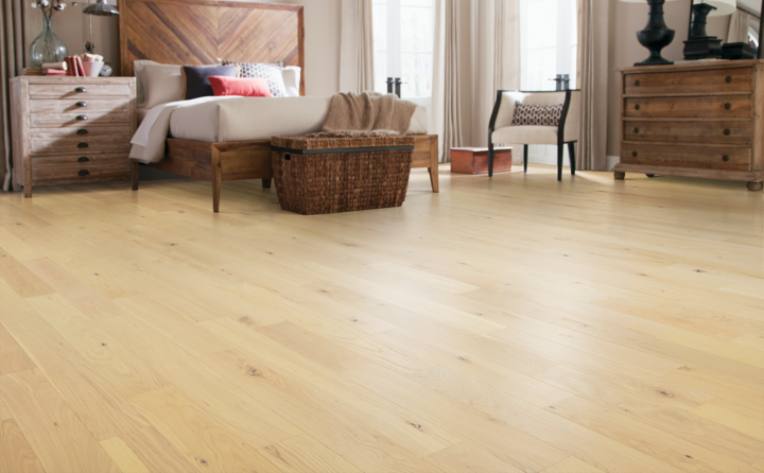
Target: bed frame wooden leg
[
  {"x": 135, "y": 174},
  {"x": 217, "y": 180},
  {"x": 433, "y": 169}
]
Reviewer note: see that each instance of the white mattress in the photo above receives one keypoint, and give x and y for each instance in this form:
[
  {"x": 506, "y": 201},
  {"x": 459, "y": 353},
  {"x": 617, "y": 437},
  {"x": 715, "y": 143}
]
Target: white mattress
[{"x": 242, "y": 119}]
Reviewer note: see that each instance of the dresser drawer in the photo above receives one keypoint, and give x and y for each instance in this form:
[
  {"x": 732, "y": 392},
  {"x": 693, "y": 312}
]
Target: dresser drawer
[
  {"x": 731, "y": 133},
  {"x": 77, "y": 167},
  {"x": 731, "y": 158},
  {"x": 58, "y": 141},
  {"x": 78, "y": 91},
  {"x": 722, "y": 106},
  {"x": 701, "y": 82},
  {"x": 79, "y": 118}
]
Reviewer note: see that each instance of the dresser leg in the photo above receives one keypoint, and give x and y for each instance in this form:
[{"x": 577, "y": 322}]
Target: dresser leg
[
  {"x": 755, "y": 186},
  {"x": 619, "y": 175}
]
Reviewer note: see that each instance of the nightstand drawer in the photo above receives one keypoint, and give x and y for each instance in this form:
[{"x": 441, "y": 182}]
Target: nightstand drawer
[
  {"x": 78, "y": 90},
  {"x": 77, "y": 106},
  {"x": 731, "y": 158},
  {"x": 95, "y": 140},
  {"x": 81, "y": 118},
  {"x": 714, "y": 106},
  {"x": 729, "y": 133},
  {"x": 80, "y": 167},
  {"x": 702, "y": 82}
]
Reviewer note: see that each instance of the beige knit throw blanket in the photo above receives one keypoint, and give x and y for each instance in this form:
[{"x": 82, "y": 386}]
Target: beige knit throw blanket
[{"x": 368, "y": 112}]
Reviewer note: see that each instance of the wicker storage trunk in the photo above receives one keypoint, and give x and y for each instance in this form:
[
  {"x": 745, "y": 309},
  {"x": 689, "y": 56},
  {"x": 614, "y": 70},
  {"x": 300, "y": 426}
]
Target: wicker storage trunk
[{"x": 318, "y": 174}]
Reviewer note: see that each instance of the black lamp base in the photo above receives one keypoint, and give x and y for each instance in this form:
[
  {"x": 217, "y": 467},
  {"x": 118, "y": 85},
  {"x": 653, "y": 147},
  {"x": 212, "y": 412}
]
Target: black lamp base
[
  {"x": 700, "y": 45},
  {"x": 656, "y": 35}
]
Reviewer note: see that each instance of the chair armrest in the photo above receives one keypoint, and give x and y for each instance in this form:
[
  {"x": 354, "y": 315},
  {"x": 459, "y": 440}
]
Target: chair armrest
[
  {"x": 572, "y": 130},
  {"x": 503, "y": 110}
]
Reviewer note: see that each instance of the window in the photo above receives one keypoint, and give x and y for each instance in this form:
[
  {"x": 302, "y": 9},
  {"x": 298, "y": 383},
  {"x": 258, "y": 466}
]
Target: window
[
  {"x": 403, "y": 45},
  {"x": 548, "y": 42}
]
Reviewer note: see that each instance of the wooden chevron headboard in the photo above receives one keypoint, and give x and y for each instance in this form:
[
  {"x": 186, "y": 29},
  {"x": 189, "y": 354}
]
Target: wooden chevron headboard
[{"x": 204, "y": 31}]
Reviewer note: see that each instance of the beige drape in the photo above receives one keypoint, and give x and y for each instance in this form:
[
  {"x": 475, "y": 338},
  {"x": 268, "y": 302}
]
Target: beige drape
[
  {"x": 476, "y": 52},
  {"x": 12, "y": 60},
  {"x": 740, "y": 23},
  {"x": 592, "y": 78},
  {"x": 356, "y": 46}
]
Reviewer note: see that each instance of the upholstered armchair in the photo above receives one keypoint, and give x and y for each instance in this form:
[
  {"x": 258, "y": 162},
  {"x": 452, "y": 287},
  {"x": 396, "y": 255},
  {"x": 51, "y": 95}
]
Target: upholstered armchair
[{"x": 536, "y": 118}]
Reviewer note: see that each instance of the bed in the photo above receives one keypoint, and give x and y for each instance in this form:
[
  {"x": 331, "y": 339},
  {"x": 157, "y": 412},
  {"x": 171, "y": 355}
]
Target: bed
[{"x": 197, "y": 32}]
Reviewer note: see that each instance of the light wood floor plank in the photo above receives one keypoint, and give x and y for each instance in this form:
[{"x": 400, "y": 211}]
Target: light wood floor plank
[{"x": 503, "y": 325}]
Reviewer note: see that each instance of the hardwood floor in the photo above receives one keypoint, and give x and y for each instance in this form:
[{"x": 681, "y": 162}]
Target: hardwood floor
[{"x": 513, "y": 325}]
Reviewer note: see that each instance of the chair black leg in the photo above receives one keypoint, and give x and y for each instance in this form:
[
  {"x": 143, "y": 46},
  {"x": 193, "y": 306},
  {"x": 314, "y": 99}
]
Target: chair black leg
[
  {"x": 525, "y": 158},
  {"x": 559, "y": 161},
  {"x": 490, "y": 157},
  {"x": 572, "y": 155}
]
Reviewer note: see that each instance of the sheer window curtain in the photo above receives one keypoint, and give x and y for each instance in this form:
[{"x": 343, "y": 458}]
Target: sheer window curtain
[
  {"x": 356, "y": 46},
  {"x": 12, "y": 60},
  {"x": 592, "y": 77}
]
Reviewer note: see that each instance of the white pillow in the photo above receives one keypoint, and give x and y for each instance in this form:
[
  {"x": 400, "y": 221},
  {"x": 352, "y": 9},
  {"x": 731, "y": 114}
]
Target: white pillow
[
  {"x": 291, "y": 76},
  {"x": 160, "y": 83}
]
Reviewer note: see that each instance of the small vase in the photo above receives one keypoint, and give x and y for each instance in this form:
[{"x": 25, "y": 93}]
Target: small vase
[{"x": 47, "y": 47}]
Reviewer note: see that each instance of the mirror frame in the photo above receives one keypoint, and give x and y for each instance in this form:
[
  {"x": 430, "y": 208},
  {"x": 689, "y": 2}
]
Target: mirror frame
[{"x": 760, "y": 52}]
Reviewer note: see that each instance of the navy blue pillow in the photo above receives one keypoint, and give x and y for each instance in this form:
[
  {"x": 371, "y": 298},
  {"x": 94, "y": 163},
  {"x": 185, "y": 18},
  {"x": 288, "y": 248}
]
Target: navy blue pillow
[{"x": 197, "y": 82}]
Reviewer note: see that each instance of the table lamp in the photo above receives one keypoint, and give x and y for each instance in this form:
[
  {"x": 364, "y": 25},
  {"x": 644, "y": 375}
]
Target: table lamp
[
  {"x": 699, "y": 44},
  {"x": 656, "y": 34}
]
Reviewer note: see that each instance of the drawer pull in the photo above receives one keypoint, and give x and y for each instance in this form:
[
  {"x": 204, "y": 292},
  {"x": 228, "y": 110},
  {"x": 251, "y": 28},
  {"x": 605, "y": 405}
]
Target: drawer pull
[
  {"x": 82, "y": 104},
  {"x": 82, "y": 118},
  {"x": 83, "y": 159},
  {"x": 82, "y": 131},
  {"x": 727, "y": 106},
  {"x": 637, "y": 107},
  {"x": 637, "y": 83},
  {"x": 80, "y": 90},
  {"x": 636, "y": 131},
  {"x": 83, "y": 173},
  {"x": 725, "y": 158},
  {"x": 727, "y": 132},
  {"x": 634, "y": 154},
  {"x": 82, "y": 145},
  {"x": 728, "y": 79}
]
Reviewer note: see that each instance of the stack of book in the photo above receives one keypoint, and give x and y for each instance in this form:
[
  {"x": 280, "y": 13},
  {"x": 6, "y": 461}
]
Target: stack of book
[{"x": 54, "y": 68}]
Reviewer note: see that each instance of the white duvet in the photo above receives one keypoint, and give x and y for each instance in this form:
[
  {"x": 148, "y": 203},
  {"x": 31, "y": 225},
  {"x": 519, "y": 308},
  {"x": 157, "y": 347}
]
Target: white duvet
[{"x": 224, "y": 119}]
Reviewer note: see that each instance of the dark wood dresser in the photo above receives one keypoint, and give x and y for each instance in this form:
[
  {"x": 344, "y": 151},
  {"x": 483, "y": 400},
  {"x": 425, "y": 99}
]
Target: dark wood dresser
[
  {"x": 71, "y": 129},
  {"x": 698, "y": 119}
]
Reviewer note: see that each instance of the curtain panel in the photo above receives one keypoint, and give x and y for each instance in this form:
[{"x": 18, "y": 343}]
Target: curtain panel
[
  {"x": 593, "y": 81},
  {"x": 12, "y": 61},
  {"x": 476, "y": 52},
  {"x": 356, "y": 46}
]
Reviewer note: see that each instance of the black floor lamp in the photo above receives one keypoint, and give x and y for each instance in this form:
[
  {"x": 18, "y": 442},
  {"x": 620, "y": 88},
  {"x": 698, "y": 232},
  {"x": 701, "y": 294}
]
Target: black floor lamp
[{"x": 656, "y": 34}]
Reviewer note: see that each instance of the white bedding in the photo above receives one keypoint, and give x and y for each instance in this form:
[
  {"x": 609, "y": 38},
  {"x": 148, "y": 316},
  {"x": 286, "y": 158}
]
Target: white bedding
[{"x": 221, "y": 119}]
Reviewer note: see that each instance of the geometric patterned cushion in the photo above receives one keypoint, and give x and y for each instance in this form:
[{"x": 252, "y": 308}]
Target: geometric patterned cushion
[
  {"x": 537, "y": 115},
  {"x": 271, "y": 73}
]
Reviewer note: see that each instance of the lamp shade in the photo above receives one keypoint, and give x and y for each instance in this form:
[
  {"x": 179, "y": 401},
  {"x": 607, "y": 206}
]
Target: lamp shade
[
  {"x": 722, "y": 7},
  {"x": 101, "y": 8}
]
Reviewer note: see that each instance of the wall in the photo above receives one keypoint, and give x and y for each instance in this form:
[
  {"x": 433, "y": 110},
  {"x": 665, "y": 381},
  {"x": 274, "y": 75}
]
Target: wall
[
  {"x": 322, "y": 38},
  {"x": 625, "y": 50}
]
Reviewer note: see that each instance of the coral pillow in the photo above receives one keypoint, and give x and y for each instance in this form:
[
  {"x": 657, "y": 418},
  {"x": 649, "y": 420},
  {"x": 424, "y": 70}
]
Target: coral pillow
[{"x": 245, "y": 87}]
